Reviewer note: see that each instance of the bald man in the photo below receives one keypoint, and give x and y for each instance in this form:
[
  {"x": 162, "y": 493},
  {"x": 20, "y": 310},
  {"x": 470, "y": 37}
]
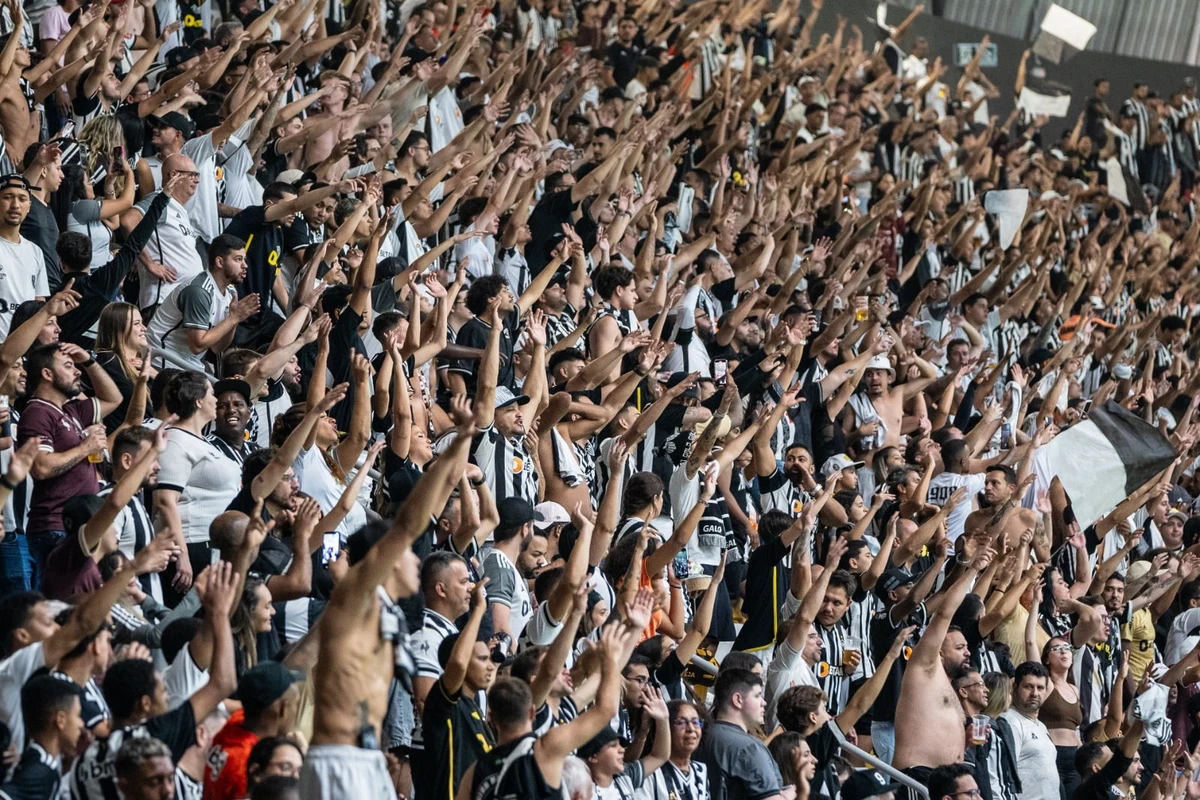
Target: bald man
[{"x": 171, "y": 257}]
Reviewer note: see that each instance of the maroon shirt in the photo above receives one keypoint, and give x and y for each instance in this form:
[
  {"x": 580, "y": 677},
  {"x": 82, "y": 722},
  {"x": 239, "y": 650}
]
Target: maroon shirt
[
  {"x": 59, "y": 430},
  {"x": 71, "y": 572}
]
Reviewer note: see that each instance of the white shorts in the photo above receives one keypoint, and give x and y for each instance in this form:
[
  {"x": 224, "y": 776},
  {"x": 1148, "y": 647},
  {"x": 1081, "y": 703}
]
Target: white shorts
[{"x": 342, "y": 772}]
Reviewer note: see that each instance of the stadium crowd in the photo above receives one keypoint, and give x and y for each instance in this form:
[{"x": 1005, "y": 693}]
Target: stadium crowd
[{"x": 595, "y": 400}]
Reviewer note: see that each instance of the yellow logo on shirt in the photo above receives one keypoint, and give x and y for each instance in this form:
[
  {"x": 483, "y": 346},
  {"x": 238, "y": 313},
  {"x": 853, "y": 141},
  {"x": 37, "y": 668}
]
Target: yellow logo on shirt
[{"x": 518, "y": 465}]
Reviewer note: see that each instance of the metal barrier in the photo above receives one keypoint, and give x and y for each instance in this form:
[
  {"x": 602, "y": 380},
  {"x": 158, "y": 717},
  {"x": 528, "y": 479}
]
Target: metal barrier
[{"x": 886, "y": 769}]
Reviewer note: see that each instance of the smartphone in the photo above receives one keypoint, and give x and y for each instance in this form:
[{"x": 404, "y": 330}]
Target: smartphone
[
  {"x": 1087, "y": 406},
  {"x": 720, "y": 365},
  {"x": 680, "y": 565},
  {"x": 118, "y": 154},
  {"x": 331, "y": 544}
]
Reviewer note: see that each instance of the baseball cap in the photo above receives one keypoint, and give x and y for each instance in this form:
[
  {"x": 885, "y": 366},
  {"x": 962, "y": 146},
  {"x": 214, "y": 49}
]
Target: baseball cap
[
  {"x": 233, "y": 385},
  {"x": 505, "y": 397},
  {"x": 838, "y": 463},
  {"x": 78, "y": 510},
  {"x": 864, "y": 783},
  {"x": 264, "y": 683},
  {"x": 891, "y": 580},
  {"x": 290, "y": 175},
  {"x": 1179, "y": 513},
  {"x": 678, "y": 378},
  {"x": 592, "y": 746},
  {"x": 17, "y": 181},
  {"x": 514, "y": 512},
  {"x": 173, "y": 119},
  {"x": 548, "y": 514}
]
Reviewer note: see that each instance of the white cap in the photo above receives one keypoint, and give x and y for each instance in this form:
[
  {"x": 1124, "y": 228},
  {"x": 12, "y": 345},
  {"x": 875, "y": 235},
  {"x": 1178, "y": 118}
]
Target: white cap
[{"x": 548, "y": 514}]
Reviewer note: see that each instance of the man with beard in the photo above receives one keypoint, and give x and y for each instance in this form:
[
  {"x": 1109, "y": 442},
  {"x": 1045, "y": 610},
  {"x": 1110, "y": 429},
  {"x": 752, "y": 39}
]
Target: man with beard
[
  {"x": 508, "y": 593},
  {"x": 267, "y": 474},
  {"x": 202, "y": 315},
  {"x": 1110, "y": 769},
  {"x": 233, "y": 415},
  {"x": 69, "y": 431},
  {"x": 700, "y": 309},
  {"x": 29, "y": 279},
  {"x": 927, "y": 698},
  {"x": 878, "y": 410},
  {"x": 793, "y": 488},
  {"x": 1036, "y": 753}
]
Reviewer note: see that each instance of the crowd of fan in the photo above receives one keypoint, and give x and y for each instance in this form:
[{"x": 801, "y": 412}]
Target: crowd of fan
[{"x": 599, "y": 400}]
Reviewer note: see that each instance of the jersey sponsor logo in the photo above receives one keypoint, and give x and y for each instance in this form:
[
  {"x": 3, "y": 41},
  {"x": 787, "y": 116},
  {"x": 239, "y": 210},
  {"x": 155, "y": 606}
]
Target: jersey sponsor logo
[
  {"x": 797, "y": 505},
  {"x": 518, "y": 465}
]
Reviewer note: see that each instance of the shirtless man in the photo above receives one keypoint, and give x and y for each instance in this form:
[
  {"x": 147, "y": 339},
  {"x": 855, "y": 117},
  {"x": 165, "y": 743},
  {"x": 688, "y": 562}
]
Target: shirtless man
[
  {"x": 879, "y": 417},
  {"x": 358, "y": 635},
  {"x": 928, "y": 701},
  {"x": 336, "y": 89},
  {"x": 1004, "y": 513}
]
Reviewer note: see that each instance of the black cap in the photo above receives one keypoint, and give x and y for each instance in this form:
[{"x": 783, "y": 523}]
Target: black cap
[
  {"x": 891, "y": 580},
  {"x": 78, "y": 510},
  {"x": 678, "y": 378},
  {"x": 864, "y": 783},
  {"x": 18, "y": 181},
  {"x": 233, "y": 385},
  {"x": 263, "y": 684},
  {"x": 592, "y": 746},
  {"x": 173, "y": 119},
  {"x": 514, "y": 512}
]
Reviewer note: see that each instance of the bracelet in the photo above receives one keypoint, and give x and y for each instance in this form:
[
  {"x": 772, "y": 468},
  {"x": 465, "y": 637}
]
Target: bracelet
[
  {"x": 6, "y": 483},
  {"x": 476, "y": 483}
]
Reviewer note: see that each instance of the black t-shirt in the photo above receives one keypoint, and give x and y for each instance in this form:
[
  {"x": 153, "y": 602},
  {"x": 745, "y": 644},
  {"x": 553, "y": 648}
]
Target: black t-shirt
[
  {"x": 264, "y": 249},
  {"x": 475, "y": 333},
  {"x": 1102, "y": 785},
  {"x": 824, "y": 746},
  {"x": 456, "y": 735},
  {"x": 624, "y": 62},
  {"x": 112, "y": 365},
  {"x": 511, "y": 770},
  {"x": 546, "y": 220},
  {"x": 33, "y": 779},
  {"x": 883, "y": 633},
  {"x": 767, "y": 582},
  {"x": 344, "y": 342},
  {"x": 41, "y": 228}
]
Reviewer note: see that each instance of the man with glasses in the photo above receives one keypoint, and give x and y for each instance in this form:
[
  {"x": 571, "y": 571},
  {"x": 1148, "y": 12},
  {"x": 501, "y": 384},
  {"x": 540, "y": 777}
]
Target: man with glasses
[
  {"x": 170, "y": 257},
  {"x": 954, "y": 782},
  {"x": 994, "y": 760},
  {"x": 1036, "y": 753}
]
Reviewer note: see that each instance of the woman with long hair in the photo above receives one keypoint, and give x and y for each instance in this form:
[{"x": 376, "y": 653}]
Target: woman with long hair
[
  {"x": 999, "y": 688},
  {"x": 1060, "y": 712},
  {"x": 326, "y": 459},
  {"x": 251, "y": 624},
  {"x": 79, "y": 210},
  {"x": 195, "y": 483},
  {"x": 121, "y": 349},
  {"x": 797, "y": 765},
  {"x": 681, "y": 778}
]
